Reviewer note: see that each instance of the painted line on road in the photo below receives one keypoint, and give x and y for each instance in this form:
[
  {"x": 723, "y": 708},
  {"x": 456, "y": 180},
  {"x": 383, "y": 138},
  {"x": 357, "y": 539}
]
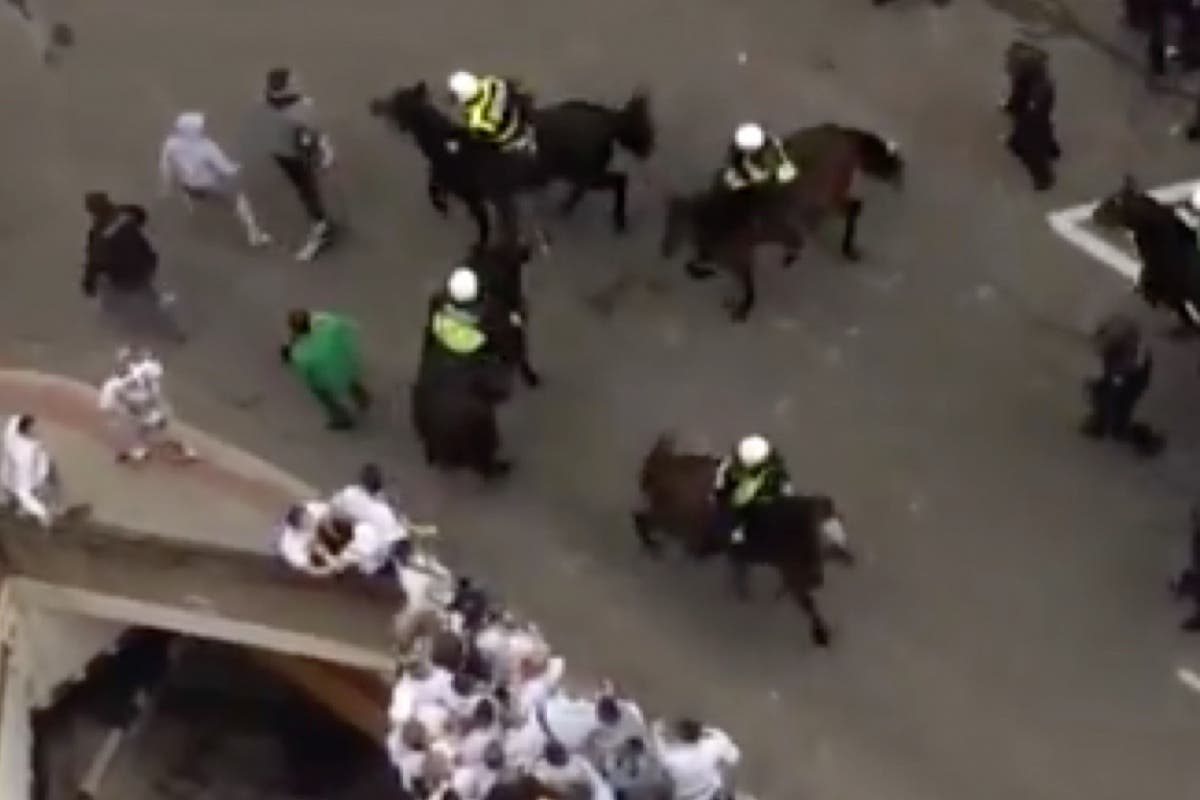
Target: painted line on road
[
  {"x": 1188, "y": 678},
  {"x": 1071, "y": 225}
]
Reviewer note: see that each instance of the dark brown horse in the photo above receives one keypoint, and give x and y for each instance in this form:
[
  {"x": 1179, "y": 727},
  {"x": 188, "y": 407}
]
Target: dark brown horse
[
  {"x": 795, "y": 535},
  {"x": 726, "y": 229}
]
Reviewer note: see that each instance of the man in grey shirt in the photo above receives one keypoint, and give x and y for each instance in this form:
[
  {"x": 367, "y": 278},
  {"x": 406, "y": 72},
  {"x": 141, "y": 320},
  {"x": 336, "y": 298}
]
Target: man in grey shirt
[
  {"x": 301, "y": 150},
  {"x": 634, "y": 773}
]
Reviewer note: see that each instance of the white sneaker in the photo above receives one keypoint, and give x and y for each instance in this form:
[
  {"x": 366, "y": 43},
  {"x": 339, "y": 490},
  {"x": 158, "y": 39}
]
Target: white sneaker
[{"x": 259, "y": 239}]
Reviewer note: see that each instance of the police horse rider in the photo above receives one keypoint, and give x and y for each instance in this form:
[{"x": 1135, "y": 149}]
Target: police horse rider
[
  {"x": 494, "y": 111},
  {"x": 749, "y": 479},
  {"x": 756, "y": 160},
  {"x": 456, "y": 316}
]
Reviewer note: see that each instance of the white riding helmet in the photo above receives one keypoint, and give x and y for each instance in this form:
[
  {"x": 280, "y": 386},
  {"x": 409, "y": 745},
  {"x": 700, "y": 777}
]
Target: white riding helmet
[
  {"x": 749, "y": 137},
  {"x": 463, "y": 85},
  {"x": 752, "y": 451},
  {"x": 463, "y": 285}
]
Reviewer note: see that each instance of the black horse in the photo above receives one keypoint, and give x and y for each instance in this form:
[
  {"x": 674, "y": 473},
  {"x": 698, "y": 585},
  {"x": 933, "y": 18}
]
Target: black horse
[
  {"x": 1167, "y": 248},
  {"x": 575, "y": 142},
  {"x": 454, "y": 415}
]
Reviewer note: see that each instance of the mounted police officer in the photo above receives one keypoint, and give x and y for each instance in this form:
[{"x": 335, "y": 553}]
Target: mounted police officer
[
  {"x": 753, "y": 476},
  {"x": 756, "y": 159},
  {"x": 493, "y": 111},
  {"x": 456, "y": 316}
]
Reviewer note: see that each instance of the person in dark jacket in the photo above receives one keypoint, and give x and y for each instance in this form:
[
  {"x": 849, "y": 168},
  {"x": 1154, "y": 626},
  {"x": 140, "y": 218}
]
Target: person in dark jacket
[
  {"x": 301, "y": 151},
  {"x": 1030, "y": 105},
  {"x": 1126, "y": 367},
  {"x": 121, "y": 266}
]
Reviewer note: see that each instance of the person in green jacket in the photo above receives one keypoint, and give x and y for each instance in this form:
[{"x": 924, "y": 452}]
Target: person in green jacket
[{"x": 324, "y": 353}]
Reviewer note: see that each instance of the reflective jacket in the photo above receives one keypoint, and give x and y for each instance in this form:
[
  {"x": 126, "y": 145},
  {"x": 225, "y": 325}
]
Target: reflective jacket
[
  {"x": 763, "y": 484},
  {"x": 770, "y": 163},
  {"x": 457, "y": 329},
  {"x": 493, "y": 114}
]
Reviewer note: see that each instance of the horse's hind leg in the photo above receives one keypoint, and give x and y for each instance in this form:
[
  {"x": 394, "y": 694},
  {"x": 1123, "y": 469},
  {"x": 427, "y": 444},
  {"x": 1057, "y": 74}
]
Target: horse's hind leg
[
  {"x": 618, "y": 184},
  {"x": 851, "y": 209},
  {"x": 743, "y": 269},
  {"x": 531, "y": 376},
  {"x": 643, "y": 528},
  {"x": 479, "y": 213},
  {"x": 819, "y": 628},
  {"x": 792, "y": 243},
  {"x": 571, "y": 201}
]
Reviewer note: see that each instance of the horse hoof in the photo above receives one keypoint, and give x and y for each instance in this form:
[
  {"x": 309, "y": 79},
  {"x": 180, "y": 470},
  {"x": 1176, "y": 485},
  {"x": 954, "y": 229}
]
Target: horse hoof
[
  {"x": 739, "y": 314},
  {"x": 497, "y": 470},
  {"x": 822, "y": 637},
  {"x": 852, "y": 254}
]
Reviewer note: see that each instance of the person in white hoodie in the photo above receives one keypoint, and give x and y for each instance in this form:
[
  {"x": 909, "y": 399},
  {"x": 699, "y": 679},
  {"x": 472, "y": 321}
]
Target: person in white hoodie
[
  {"x": 196, "y": 165},
  {"x": 27, "y": 475},
  {"x": 133, "y": 396}
]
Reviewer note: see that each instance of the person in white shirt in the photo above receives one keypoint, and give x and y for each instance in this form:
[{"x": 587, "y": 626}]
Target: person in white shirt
[
  {"x": 365, "y": 501},
  {"x": 618, "y": 720},
  {"x": 473, "y": 780},
  {"x": 133, "y": 396},
  {"x": 27, "y": 475},
  {"x": 194, "y": 163},
  {"x": 483, "y": 731},
  {"x": 569, "y": 720},
  {"x": 569, "y": 774},
  {"x": 699, "y": 760},
  {"x": 298, "y": 541},
  {"x": 424, "y": 692}
]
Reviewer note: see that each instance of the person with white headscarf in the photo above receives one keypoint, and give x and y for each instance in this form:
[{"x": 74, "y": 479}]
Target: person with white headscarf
[
  {"x": 27, "y": 475},
  {"x": 192, "y": 162}
]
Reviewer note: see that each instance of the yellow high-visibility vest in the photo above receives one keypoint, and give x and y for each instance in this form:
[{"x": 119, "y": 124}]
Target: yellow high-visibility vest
[
  {"x": 457, "y": 330},
  {"x": 748, "y": 486}
]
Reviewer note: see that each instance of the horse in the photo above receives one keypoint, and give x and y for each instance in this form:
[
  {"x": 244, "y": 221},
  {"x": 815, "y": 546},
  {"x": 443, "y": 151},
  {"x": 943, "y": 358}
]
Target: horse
[
  {"x": 1166, "y": 246},
  {"x": 500, "y": 269},
  {"x": 828, "y": 158},
  {"x": 459, "y": 164},
  {"x": 795, "y": 535},
  {"x": 574, "y": 142},
  {"x": 454, "y": 415},
  {"x": 721, "y": 232},
  {"x": 726, "y": 228}
]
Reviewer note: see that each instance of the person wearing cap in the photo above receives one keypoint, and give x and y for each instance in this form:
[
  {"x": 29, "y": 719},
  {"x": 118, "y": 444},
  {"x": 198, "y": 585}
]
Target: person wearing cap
[
  {"x": 752, "y": 476},
  {"x": 301, "y": 150},
  {"x": 1030, "y": 105},
  {"x": 196, "y": 165},
  {"x": 134, "y": 398},
  {"x": 492, "y": 108},
  {"x": 698, "y": 759},
  {"x": 1126, "y": 369},
  {"x": 323, "y": 351},
  {"x": 756, "y": 159},
  {"x": 456, "y": 316},
  {"x": 28, "y": 479}
]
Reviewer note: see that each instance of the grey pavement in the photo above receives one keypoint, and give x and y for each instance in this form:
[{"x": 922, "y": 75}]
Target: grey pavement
[{"x": 1008, "y": 634}]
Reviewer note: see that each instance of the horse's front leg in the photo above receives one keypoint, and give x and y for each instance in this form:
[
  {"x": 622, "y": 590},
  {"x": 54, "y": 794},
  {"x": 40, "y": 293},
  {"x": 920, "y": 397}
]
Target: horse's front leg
[
  {"x": 618, "y": 184},
  {"x": 793, "y": 242},
  {"x": 818, "y": 627},
  {"x": 479, "y": 213},
  {"x": 743, "y": 269},
  {"x": 531, "y": 376},
  {"x": 437, "y": 195},
  {"x": 851, "y": 210}
]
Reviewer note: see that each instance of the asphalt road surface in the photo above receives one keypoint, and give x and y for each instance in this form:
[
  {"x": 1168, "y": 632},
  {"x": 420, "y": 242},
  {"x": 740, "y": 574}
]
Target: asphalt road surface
[{"x": 1008, "y": 634}]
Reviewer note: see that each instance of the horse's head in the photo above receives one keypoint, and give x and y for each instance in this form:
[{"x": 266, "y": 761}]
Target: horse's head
[
  {"x": 879, "y": 157},
  {"x": 1120, "y": 209},
  {"x": 635, "y": 130},
  {"x": 678, "y": 225},
  {"x": 831, "y": 528},
  {"x": 404, "y": 107}
]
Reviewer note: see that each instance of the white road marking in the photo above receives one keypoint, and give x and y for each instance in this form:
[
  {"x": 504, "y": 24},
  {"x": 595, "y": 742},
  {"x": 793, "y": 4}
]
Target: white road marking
[
  {"x": 1188, "y": 678},
  {"x": 1070, "y": 224}
]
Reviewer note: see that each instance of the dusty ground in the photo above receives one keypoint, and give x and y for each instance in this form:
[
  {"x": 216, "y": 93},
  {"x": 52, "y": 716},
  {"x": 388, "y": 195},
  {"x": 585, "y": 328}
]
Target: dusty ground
[{"x": 1008, "y": 634}]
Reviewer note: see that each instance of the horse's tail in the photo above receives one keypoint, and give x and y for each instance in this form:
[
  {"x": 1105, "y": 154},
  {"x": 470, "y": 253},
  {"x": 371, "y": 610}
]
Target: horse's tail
[
  {"x": 663, "y": 449},
  {"x": 635, "y": 126}
]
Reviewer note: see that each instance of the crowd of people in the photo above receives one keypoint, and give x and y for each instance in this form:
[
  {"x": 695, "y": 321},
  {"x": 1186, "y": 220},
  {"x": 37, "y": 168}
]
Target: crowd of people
[{"x": 480, "y": 700}]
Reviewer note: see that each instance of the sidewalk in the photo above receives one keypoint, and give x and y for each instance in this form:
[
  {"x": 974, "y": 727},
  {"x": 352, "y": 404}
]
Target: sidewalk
[{"x": 228, "y": 498}]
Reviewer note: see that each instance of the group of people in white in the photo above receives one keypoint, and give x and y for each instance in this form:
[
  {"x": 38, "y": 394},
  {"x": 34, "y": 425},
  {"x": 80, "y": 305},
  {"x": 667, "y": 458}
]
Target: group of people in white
[
  {"x": 501, "y": 710},
  {"x": 136, "y": 406}
]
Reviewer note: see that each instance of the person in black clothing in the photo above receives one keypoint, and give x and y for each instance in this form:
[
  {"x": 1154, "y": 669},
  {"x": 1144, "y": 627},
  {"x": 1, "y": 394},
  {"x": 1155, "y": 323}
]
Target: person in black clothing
[
  {"x": 1126, "y": 367},
  {"x": 1030, "y": 104},
  {"x": 121, "y": 266}
]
